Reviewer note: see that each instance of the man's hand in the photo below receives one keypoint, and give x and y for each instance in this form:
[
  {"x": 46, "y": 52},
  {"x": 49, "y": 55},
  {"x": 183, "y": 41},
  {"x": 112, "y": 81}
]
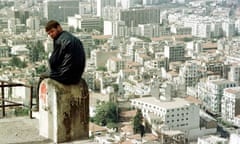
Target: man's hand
[{"x": 44, "y": 75}]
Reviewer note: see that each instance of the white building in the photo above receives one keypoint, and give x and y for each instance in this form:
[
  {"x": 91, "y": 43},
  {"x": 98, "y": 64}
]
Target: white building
[
  {"x": 85, "y": 22},
  {"x": 204, "y": 30},
  {"x": 102, "y": 3},
  {"x": 151, "y": 2},
  {"x": 211, "y": 92},
  {"x": 100, "y": 57},
  {"x": 86, "y": 8},
  {"x": 237, "y": 25},
  {"x": 177, "y": 114},
  {"x": 211, "y": 139},
  {"x": 126, "y": 4},
  {"x": 190, "y": 73},
  {"x": 111, "y": 13},
  {"x": 33, "y": 23},
  {"x": 216, "y": 29},
  {"x": 234, "y": 139},
  {"x": 115, "y": 28},
  {"x": 228, "y": 28},
  {"x": 19, "y": 50},
  {"x": 234, "y": 73},
  {"x": 174, "y": 52},
  {"x": 230, "y": 103},
  {"x": 115, "y": 64},
  {"x": 149, "y": 30}
]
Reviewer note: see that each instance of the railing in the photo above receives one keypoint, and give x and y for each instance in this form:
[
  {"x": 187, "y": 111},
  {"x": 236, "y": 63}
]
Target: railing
[{"x": 10, "y": 103}]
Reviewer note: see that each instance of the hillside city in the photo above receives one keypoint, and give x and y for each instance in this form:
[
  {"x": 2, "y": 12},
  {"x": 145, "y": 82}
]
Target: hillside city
[{"x": 171, "y": 66}]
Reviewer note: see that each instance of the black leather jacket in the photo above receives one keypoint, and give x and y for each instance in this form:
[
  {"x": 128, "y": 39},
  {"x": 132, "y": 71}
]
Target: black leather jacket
[{"x": 67, "y": 61}]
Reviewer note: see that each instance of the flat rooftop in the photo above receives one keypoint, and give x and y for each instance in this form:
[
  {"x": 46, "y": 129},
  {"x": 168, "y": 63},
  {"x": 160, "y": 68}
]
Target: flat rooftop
[{"x": 174, "y": 103}]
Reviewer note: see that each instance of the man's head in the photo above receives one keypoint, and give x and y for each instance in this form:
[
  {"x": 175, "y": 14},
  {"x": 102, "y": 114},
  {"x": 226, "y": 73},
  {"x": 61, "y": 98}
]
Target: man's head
[{"x": 53, "y": 28}]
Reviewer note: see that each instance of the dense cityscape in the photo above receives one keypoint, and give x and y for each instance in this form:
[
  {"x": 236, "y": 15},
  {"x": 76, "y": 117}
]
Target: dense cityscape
[{"x": 171, "y": 67}]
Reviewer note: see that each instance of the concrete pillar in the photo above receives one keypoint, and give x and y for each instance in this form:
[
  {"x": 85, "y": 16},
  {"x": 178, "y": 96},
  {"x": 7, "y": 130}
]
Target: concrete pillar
[{"x": 63, "y": 111}]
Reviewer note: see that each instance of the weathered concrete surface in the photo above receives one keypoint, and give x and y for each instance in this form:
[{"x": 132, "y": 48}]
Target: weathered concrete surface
[
  {"x": 20, "y": 130},
  {"x": 63, "y": 111},
  {"x": 23, "y": 130}
]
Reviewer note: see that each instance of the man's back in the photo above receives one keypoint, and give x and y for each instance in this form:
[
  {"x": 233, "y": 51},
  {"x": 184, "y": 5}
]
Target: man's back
[{"x": 67, "y": 61}]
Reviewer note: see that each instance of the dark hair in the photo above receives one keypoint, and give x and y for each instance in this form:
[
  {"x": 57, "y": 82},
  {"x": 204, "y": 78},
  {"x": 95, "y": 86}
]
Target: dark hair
[{"x": 51, "y": 24}]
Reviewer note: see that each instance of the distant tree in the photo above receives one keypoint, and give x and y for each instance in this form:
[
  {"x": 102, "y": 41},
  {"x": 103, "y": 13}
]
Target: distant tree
[
  {"x": 112, "y": 125},
  {"x": 137, "y": 122},
  {"x": 186, "y": 39},
  {"x": 36, "y": 51},
  {"x": 1, "y": 64},
  {"x": 146, "y": 39},
  {"x": 101, "y": 68},
  {"x": 115, "y": 87},
  {"x": 106, "y": 113},
  {"x": 41, "y": 69},
  {"x": 15, "y": 61}
]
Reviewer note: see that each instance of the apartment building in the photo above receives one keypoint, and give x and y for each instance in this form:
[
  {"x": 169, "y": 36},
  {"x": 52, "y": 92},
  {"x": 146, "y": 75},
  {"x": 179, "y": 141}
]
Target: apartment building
[
  {"x": 174, "y": 52},
  {"x": 149, "y": 30},
  {"x": 215, "y": 66},
  {"x": 234, "y": 73},
  {"x": 133, "y": 17},
  {"x": 126, "y": 4},
  {"x": 230, "y": 104},
  {"x": 3, "y": 23},
  {"x": 211, "y": 93},
  {"x": 22, "y": 15},
  {"x": 33, "y": 23},
  {"x": 111, "y": 13},
  {"x": 141, "y": 58},
  {"x": 115, "y": 28},
  {"x": 60, "y": 9},
  {"x": 85, "y": 22},
  {"x": 201, "y": 27},
  {"x": 100, "y": 57},
  {"x": 4, "y": 51},
  {"x": 103, "y": 3},
  {"x": 216, "y": 29},
  {"x": 228, "y": 28},
  {"x": 87, "y": 7},
  {"x": 190, "y": 73},
  {"x": 176, "y": 114},
  {"x": 134, "y": 43},
  {"x": 115, "y": 64},
  {"x": 156, "y": 63},
  {"x": 180, "y": 30}
]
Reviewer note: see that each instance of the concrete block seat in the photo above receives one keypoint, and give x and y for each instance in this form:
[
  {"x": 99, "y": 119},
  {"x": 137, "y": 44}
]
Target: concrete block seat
[{"x": 63, "y": 111}]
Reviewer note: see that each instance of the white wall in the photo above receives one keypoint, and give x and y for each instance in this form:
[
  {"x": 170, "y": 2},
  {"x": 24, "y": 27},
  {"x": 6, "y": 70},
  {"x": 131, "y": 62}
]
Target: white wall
[{"x": 108, "y": 28}]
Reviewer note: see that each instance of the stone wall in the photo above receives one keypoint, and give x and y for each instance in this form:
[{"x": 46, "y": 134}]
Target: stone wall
[{"x": 63, "y": 111}]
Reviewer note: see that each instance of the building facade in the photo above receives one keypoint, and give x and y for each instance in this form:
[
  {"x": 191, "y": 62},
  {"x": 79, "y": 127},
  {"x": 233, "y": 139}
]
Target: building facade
[
  {"x": 60, "y": 9},
  {"x": 176, "y": 114},
  {"x": 230, "y": 104}
]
